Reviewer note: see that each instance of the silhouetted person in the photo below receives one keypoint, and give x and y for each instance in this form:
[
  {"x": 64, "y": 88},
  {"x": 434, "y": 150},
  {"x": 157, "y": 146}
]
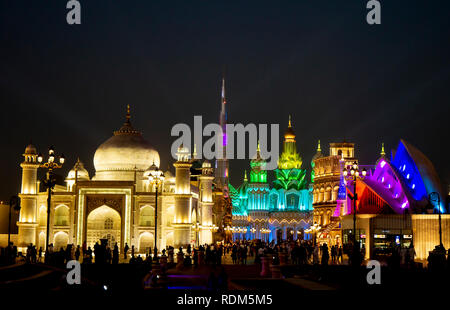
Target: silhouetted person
[
  {"x": 125, "y": 250},
  {"x": 77, "y": 253},
  {"x": 115, "y": 259}
]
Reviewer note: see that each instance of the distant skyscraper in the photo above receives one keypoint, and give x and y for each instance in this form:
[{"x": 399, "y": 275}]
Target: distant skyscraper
[{"x": 222, "y": 164}]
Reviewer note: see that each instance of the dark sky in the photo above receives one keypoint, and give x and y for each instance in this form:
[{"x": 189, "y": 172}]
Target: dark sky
[{"x": 320, "y": 61}]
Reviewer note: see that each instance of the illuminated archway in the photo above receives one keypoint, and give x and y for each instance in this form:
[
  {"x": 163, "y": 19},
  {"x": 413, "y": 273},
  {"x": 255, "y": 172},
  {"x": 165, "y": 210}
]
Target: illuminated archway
[
  {"x": 41, "y": 240},
  {"x": 60, "y": 240},
  {"x": 103, "y": 223},
  {"x": 146, "y": 243}
]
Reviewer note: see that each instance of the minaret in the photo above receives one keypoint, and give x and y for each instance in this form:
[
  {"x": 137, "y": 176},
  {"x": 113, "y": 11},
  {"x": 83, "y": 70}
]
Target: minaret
[
  {"x": 182, "y": 223},
  {"x": 28, "y": 196},
  {"x": 221, "y": 172},
  {"x": 206, "y": 202}
]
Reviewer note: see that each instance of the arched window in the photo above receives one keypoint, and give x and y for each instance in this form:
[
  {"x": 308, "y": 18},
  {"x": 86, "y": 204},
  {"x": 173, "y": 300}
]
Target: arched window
[
  {"x": 147, "y": 216},
  {"x": 61, "y": 217}
]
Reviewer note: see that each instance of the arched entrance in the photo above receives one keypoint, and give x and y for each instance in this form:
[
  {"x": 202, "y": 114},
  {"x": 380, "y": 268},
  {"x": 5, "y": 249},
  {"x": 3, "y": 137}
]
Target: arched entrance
[
  {"x": 146, "y": 242},
  {"x": 169, "y": 239},
  {"x": 60, "y": 241},
  {"x": 103, "y": 223},
  {"x": 41, "y": 241}
]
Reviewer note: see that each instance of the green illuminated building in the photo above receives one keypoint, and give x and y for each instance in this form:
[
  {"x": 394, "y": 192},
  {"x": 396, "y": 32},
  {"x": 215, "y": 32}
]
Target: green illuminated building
[{"x": 284, "y": 208}]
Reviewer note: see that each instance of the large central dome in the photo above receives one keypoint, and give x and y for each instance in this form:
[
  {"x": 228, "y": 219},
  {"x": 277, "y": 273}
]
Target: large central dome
[{"x": 122, "y": 154}]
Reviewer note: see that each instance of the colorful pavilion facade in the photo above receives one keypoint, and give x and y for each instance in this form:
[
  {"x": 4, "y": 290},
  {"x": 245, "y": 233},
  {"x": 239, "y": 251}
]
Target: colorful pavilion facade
[{"x": 275, "y": 211}]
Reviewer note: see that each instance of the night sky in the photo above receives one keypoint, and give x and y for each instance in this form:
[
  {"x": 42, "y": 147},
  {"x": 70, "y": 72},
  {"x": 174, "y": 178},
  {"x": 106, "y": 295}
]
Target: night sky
[{"x": 339, "y": 77}]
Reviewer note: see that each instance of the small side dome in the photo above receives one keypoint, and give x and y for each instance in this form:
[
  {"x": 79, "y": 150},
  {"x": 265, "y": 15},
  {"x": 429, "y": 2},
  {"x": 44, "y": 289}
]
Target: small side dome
[
  {"x": 79, "y": 172},
  {"x": 206, "y": 164},
  {"x": 30, "y": 149},
  {"x": 168, "y": 174}
]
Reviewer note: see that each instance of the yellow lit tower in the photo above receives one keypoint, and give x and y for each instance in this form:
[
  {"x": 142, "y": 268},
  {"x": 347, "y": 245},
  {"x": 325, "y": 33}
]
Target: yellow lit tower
[
  {"x": 27, "y": 219},
  {"x": 206, "y": 201},
  {"x": 183, "y": 199}
]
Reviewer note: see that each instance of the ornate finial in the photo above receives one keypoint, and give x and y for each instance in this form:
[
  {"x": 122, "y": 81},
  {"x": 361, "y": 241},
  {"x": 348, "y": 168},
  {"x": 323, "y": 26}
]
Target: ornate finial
[
  {"x": 128, "y": 113},
  {"x": 194, "y": 154},
  {"x": 245, "y": 176},
  {"x": 290, "y": 125},
  {"x": 318, "y": 147},
  {"x": 382, "y": 153}
]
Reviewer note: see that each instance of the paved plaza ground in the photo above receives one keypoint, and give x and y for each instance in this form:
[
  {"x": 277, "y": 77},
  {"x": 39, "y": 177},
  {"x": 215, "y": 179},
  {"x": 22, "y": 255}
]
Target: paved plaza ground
[{"x": 131, "y": 277}]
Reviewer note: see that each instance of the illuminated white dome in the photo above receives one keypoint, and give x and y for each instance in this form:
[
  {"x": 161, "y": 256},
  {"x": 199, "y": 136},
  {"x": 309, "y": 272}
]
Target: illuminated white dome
[
  {"x": 78, "y": 172},
  {"x": 126, "y": 151}
]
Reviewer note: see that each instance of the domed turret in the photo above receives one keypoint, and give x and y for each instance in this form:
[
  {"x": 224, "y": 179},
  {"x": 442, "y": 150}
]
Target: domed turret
[
  {"x": 78, "y": 172},
  {"x": 30, "y": 149},
  {"x": 289, "y": 135},
  {"x": 125, "y": 153},
  {"x": 289, "y": 158}
]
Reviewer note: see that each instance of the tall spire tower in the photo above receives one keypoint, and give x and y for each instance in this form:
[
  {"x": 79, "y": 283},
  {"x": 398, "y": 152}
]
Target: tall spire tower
[{"x": 221, "y": 172}]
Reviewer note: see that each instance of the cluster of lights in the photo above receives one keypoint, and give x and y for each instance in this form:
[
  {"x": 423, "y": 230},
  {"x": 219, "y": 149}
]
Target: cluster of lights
[
  {"x": 155, "y": 175},
  {"x": 211, "y": 227},
  {"x": 237, "y": 230},
  {"x": 313, "y": 228},
  {"x": 51, "y": 157},
  {"x": 353, "y": 171}
]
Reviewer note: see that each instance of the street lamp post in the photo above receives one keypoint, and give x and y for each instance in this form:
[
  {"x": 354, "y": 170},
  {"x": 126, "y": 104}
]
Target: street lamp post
[
  {"x": 14, "y": 201},
  {"x": 352, "y": 174},
  {"x": 49, "y": 183},
  {"x": 434, "y": 196},
  {"x": 156, "y": 177}
]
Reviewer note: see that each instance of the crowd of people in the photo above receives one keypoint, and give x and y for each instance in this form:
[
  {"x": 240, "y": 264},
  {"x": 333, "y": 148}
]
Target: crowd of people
[{"x": 298, "y": 252}]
